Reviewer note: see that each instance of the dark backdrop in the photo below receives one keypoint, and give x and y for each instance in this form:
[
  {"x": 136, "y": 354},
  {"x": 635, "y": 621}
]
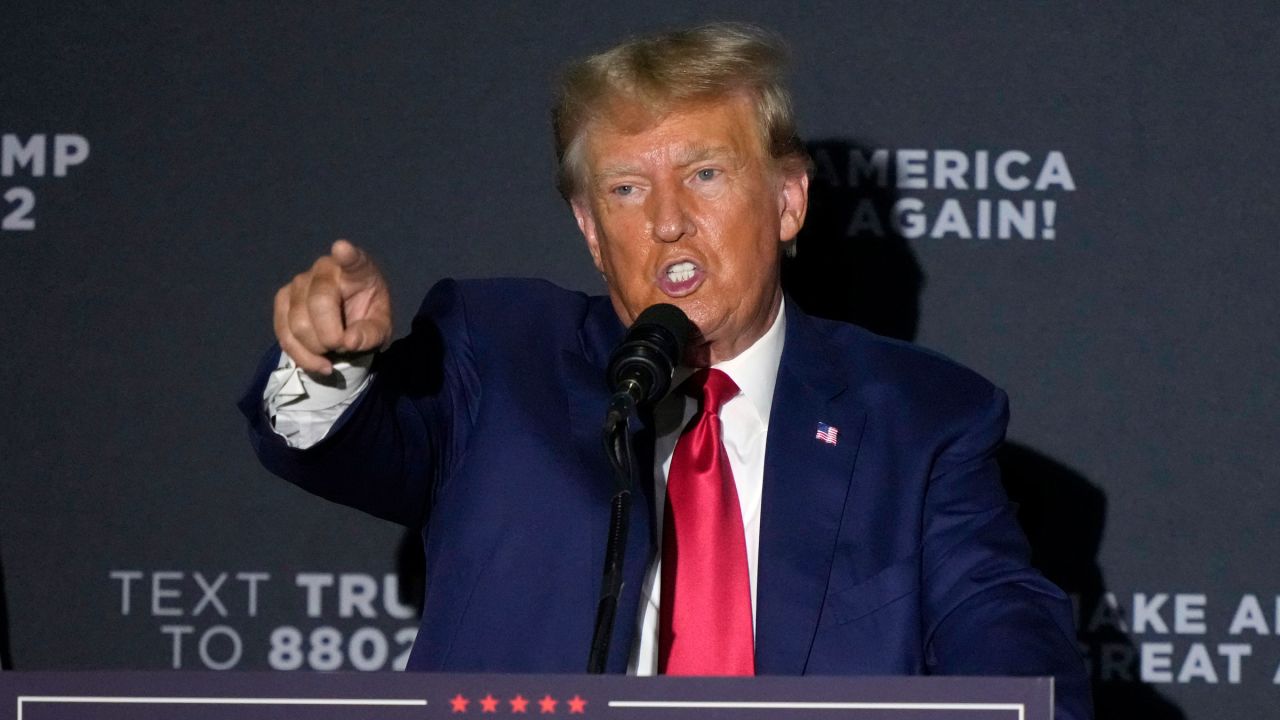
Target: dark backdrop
[{"x": 1076, "y": 199}]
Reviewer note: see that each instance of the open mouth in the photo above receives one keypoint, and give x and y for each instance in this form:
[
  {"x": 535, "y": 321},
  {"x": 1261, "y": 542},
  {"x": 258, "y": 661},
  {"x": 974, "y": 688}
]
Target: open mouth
[
  {"x": 681, "y": 272},
  {"x": 680, "y": 278}
]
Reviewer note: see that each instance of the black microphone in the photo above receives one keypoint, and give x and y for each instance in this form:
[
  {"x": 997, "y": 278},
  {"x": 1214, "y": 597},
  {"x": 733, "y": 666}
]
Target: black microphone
[{"x": 642, "y": 365}]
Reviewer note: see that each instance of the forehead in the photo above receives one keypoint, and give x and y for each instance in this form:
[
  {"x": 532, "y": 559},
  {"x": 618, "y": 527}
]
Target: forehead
[{"x": 629, "y": 132}]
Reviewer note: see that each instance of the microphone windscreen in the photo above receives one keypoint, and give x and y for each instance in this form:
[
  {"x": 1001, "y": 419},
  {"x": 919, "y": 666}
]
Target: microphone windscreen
[
  {"x": 670, "y": 318},
  {"x": 654, "y": 345}
]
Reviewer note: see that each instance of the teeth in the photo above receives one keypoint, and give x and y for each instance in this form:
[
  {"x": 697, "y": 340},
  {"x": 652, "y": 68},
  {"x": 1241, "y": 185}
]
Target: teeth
[{"x": 681, "y": 271}]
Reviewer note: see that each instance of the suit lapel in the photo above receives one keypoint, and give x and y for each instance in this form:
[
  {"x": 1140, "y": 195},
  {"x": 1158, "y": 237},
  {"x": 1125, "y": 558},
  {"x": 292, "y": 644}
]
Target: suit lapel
[
  {"x": 588, "y": 396},
  {"x": 806, "y": 481}
]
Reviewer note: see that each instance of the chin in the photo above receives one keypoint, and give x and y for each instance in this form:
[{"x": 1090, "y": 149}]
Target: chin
[{"x": 697, "y": 354}]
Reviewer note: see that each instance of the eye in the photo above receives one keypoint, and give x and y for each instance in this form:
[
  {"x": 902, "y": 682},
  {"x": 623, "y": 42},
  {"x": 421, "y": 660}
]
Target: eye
[
  {"x": 623, "y": 190},
  {"x": 707, "y": 174}
]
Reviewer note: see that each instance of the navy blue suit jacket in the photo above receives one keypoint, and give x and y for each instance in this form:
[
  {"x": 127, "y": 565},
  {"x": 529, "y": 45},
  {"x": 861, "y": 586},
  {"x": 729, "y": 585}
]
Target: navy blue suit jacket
[{"x": 894, "y": 551}]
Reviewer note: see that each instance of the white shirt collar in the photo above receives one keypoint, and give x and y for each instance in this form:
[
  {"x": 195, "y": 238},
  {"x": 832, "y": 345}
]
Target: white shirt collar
[{"x": 755, "y": 370}]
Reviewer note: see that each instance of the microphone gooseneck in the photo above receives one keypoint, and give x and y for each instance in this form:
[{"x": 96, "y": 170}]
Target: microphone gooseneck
[{"x": 639, "y": 374}]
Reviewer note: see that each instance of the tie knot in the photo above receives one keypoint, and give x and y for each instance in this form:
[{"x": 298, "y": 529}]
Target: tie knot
[{"x": 713, "y": 387}]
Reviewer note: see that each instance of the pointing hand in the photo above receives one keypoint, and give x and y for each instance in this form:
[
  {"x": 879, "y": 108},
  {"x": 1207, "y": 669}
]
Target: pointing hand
[{"x": 340, "y": 305}]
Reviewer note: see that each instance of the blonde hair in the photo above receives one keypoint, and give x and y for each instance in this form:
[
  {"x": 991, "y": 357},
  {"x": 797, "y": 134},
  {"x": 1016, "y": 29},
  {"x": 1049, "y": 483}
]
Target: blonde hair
[{"x": 658, "y": 72}]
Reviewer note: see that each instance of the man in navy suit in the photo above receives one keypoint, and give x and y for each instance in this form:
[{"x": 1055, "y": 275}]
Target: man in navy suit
[{"x": 877, "y": 537}]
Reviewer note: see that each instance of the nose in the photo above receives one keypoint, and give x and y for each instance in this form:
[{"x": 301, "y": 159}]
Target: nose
[{"x": 668, "y": 215}]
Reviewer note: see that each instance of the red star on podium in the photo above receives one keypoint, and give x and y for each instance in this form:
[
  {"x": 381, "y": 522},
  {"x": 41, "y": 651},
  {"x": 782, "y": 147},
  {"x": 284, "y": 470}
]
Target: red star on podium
[
  {"x": 489, "y": 704},
  {"x": 548, "y": 705},
  {"x": 459, "y": 703},
  {"x": 519, "y": 704},
  {"x": 577, "y": 706}
]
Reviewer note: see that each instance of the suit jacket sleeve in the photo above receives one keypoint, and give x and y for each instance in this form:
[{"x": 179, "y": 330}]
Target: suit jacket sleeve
[
  {"x": 988, "y": 611},
  {"x": 386, "y": 454}
]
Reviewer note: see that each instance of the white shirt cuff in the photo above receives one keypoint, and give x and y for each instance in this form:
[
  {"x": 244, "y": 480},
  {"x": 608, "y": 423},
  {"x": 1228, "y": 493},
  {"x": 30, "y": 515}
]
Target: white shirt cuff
[{"x": 304, "y": 407}]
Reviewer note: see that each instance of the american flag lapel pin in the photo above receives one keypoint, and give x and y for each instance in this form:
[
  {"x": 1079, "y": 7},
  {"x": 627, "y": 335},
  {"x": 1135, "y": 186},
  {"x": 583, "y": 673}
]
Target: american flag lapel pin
[{"x": 828, "y": 434}]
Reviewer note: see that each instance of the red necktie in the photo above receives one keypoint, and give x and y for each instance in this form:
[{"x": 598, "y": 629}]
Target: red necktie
[{"x": 704, "y": 625}]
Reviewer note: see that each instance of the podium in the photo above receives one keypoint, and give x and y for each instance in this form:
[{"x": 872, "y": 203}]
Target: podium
[{"x": 424, "y": 696}]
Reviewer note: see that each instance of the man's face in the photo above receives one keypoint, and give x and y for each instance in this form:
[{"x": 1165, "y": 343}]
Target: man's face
[{"x": 689, "y": 210}]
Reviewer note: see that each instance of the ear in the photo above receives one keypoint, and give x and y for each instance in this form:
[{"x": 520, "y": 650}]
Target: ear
[
  {"x": 587, "y": 226},
  {"x": 793, "y": 201}
]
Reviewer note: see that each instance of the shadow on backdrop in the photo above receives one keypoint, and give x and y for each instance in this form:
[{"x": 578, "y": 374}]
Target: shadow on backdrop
[
  {"x": 411, "y": 570},
  {"x": 852, "y": 265},
  {"x": 1063, "y": 515},
  {"x": 6, "y": 658}
]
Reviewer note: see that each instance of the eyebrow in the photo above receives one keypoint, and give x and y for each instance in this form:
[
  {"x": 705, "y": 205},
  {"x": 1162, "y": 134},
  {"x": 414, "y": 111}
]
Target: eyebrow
[
  {"x": 684, "y": 157},
  {"x": 694, "y": 155},
  {"x": 613, "y": 171}
]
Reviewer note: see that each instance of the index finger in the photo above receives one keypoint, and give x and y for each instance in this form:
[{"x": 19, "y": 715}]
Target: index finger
[{"x": 351, "y": 259}]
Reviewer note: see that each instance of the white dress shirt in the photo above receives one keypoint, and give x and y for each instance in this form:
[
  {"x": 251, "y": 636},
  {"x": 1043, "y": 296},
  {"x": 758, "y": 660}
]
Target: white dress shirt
[
  {"x": 303, "y": 409},
  {"x": 745, "y": 421}
]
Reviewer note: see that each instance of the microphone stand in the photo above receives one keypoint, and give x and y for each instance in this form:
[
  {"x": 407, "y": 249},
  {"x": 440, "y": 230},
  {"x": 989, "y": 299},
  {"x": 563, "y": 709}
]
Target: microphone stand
[{"x": 617, "y": 444}]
